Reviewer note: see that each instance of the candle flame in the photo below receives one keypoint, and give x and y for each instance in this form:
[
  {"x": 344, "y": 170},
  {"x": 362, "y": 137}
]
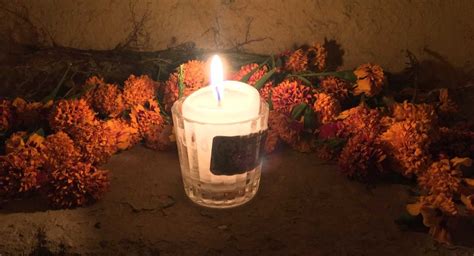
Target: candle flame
[{"x": 217, "y": 77}]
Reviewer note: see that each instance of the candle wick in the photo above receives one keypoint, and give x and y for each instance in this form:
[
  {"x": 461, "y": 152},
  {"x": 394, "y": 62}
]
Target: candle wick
[{"x": 218, "y": 96}]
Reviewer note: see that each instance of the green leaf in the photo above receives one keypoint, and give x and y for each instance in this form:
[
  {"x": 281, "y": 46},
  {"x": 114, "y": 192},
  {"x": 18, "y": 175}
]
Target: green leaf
[
  {"x": 269, "y": 100},
  {"x": 298, "y": 111},
  {"x": 309, "y": 119},
  {"x": 336, "y": 143},
  {"x": 273, "y": 61},
  {"x": 259, "y": 84},
  {"x": 180, "y": 81},
  {"x": 246, "y": 78},
  {"x": 40, "y": 132},
  {"x": 303, "y": 79},
  {"x": 345, "y": 74}
]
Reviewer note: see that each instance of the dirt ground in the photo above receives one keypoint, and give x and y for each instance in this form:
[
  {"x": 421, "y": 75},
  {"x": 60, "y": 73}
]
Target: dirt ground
[{"x": 304, "y": 207}]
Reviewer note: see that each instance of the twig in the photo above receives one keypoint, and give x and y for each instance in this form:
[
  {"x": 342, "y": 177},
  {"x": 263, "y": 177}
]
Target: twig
[
  {"x": 132, "y": 41},
  {"x": 247, "y": 40}
]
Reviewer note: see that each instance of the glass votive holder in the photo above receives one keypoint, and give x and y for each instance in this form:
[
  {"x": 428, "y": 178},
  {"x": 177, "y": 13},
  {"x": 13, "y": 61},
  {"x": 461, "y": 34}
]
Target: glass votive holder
[{"x": 220, "y": 163}]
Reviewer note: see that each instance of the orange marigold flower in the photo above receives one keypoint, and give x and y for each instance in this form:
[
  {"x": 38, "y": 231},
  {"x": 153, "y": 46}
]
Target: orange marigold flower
[
  {"x": 337, "y": 87},
  {"x": 59, "y": 151},
  {"x": 123, "y": 133},
  {"x": 147, "y": 119},
  {"x": 91, "y": 84},
  {"x": 15, "y": 142},
  {"x": 408, "y": 146},
  {"x": 96, "y": 142},
  {"x": 326, "y": 107},
  {"x": 288, "y": 130},
  {"x": 317, "y": 56},
  {"x": 195, "y": 76},
  {"x": 326, "y": 152},
  {"x": 138, "y": 90},
  {"x": 68, "y": 114},
  {"x": 14, "y": 179},
  {"x": 107, "y": 100},
  {"x": 19, "y": 172},
  {"x": 271, "y": 141},
  {"x": 359, "y": 119},
  {"x": 441, "y": 177},
  {"x": 297, "y": 62},
  {"x": 159, "y": 137},
  {"x": 255, "y": 77},
  {"x": 29, "y": 114},
  {"x": 440, "y": 201},
  {"x": 361, "y": 157},
  {"x": 435, "y": 209},
  {"x": 311, "y": 58},
  {"x": 447, "y": 105},
  {"x": 5, "y": 115},
  {"x": 246, "y": 69},
  {"x": 289, "y": 94},
  {"x": 77, "y": 185},
  {"x": 370, "y": 79},
  {"x": 424, "y": 114}
]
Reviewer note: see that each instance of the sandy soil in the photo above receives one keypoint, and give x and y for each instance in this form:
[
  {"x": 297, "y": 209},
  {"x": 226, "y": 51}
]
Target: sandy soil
[{"x": 304, "y": 207}]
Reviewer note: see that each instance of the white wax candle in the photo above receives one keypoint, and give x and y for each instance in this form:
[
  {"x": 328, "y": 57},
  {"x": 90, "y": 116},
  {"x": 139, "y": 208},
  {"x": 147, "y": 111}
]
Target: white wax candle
[
  {"x": 205, "y": 117},
  {"x": 240, "y": 102}
]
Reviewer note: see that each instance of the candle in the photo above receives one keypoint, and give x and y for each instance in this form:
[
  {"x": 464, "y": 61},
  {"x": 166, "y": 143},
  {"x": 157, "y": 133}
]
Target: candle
[
  {"x": 223, "y": 101},
  {"x": 220, "y": 130}
]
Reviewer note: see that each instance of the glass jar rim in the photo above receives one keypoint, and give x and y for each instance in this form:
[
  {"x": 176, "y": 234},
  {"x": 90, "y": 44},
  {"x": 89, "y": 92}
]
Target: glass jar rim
[{"x": 177, "y": 110}]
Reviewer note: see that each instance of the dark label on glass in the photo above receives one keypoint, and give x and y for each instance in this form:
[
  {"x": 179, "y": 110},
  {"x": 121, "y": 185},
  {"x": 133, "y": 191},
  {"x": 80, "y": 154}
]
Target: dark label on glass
[{"x": 236, "y": 154}]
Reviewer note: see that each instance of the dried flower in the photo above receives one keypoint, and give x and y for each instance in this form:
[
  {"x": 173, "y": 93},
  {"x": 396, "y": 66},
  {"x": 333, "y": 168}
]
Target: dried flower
[
  {"x": 60, "y": 151},
  {"x": 69, "y": 114},
  {"x": 107, "y": 100},
  {"x": 326, "y": 107},
  {"x": 77, "y": 185},
  {"x": 194, "y": 77},
  {"x": 289, "y": 94},
  {"x": 408, "y": 146},
  {"x": 5, "y": 115},
  {"x": 370, "y": 79},
  {"x": 361, "y": 157},
  {"x": 336, "y": 87},
  {"x": 138, "y": 89}
]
